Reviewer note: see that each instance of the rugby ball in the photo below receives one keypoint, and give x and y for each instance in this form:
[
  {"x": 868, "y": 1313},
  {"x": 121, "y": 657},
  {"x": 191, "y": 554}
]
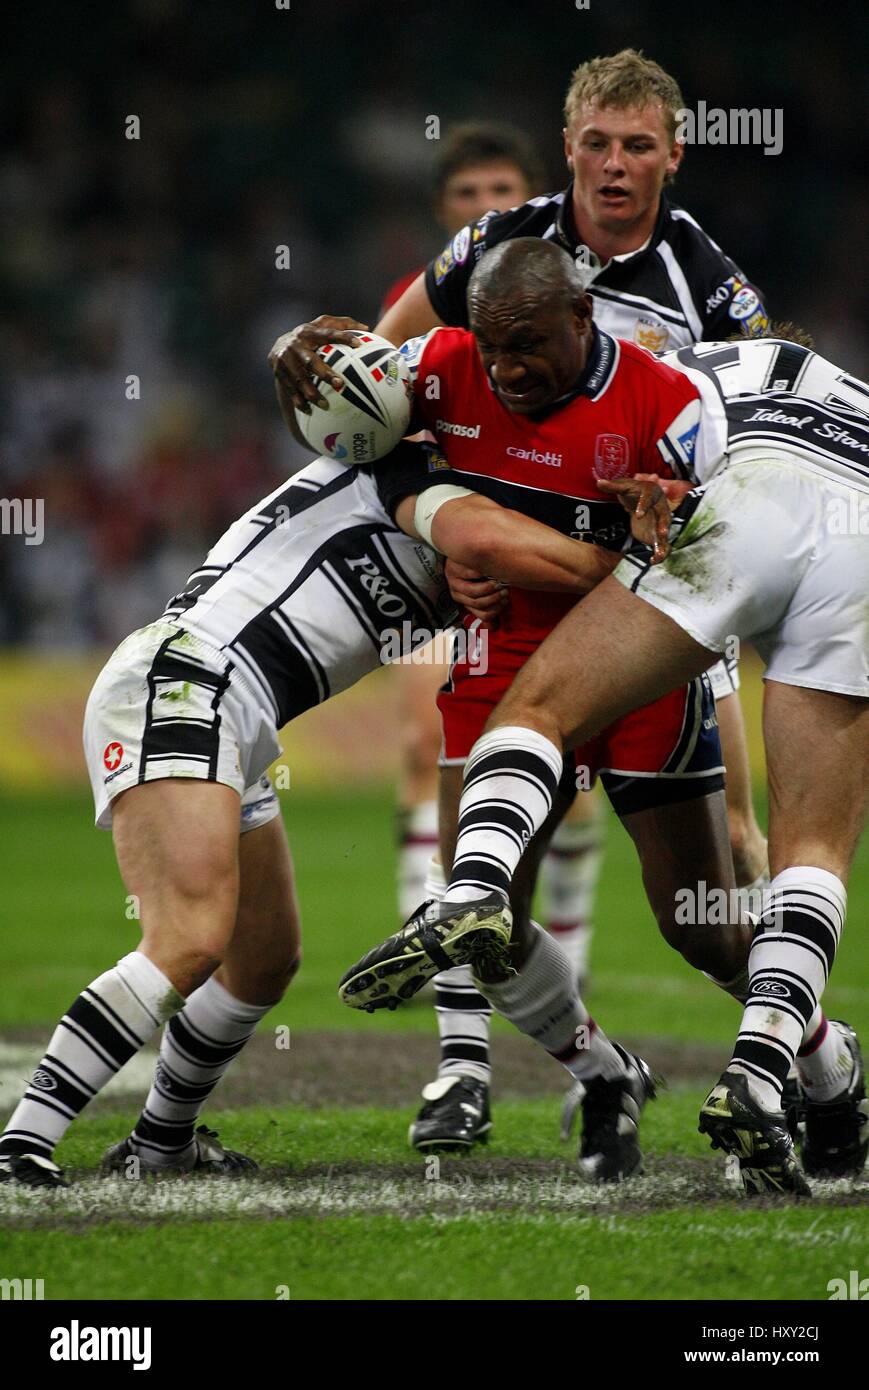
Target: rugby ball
[{"x": 370, "y": 413}]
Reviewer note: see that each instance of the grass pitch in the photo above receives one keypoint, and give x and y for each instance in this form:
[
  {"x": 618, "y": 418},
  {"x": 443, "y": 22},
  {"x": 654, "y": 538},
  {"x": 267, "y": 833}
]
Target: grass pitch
[{"x": 342, "y": 1208}]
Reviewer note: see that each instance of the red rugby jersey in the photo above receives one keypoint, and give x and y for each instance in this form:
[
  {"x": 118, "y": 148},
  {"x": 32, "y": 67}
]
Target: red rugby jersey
[{"x": 627, "y": 414}]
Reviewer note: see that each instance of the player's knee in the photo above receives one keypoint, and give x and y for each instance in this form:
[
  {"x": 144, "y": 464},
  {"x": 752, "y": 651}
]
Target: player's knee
[
  {"x": 699, "y": 946},
  {"x": 264, "y": 980},
  {"x": 189, "y": 964}
]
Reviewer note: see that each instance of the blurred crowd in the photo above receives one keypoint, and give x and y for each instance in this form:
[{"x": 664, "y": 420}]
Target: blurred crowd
[{"x": 139, "y": 289}]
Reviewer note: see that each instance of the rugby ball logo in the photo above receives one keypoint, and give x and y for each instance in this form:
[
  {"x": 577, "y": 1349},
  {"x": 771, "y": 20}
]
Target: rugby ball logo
[{"x": 332, "y": 447}]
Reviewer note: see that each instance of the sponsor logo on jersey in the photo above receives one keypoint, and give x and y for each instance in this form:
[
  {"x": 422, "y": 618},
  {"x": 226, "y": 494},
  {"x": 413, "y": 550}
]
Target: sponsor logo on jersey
[
  {"x": 757, "y": 325},
  {"x": 478, "y": 236},
  {"x": 651, "y": 334},
  {"x": 779, "y": 417},
  {"x": 722, "y": 294},
  {"x": 43, "y": 1080},
  {"x": 688, "y": 440},
  {"x": 443, "y": 265},
  {"x": 374, "y": 582},
  {"x": 112, "y": 755},
  {"x": 612, "y": 456},
  {"x": 461, "y": 245},
  {"x": 425, "y": 557},
  {"x": 535, "y": 456},
  {"x": 437, "y": 461},
  {"x": 744, "y": 303},
  {"x": 464, "y": 431},
  {"x": 333, "y": 448},
  {"x": 773, "y": 987}
]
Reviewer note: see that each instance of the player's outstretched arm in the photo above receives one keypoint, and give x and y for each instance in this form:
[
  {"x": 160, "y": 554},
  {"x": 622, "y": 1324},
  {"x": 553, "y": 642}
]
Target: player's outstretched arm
[{"x": 506, "y": 546}]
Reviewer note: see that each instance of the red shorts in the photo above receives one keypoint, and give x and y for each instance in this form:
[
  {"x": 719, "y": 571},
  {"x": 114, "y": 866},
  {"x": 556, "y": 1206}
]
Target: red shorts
[{"x": 667, "y": 751}]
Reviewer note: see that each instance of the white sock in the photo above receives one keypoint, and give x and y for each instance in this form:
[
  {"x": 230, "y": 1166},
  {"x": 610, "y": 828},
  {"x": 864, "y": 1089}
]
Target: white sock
[
  {"x": 568, "y": 878},
  {"x": 418, "y": 840},
  {"x": 824, "y": 1064},
  {"x": 542, "y": 1001}
]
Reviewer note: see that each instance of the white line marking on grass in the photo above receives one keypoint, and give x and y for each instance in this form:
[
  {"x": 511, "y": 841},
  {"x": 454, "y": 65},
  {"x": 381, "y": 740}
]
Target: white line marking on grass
[{"x": 101, "y": 1199}]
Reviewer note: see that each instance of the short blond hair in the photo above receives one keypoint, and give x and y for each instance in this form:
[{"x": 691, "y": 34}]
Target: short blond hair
[{"x": 624, "y": 79}]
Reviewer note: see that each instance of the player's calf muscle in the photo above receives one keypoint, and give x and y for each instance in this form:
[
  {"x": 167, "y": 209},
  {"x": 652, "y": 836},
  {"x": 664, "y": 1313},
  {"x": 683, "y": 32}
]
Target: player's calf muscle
[{"x": 817, "y": 744}]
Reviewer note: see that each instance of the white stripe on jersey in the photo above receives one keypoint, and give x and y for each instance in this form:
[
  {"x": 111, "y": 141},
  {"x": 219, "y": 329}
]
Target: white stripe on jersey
[
  {"x": 680, "y": 285},
  {"x": 680, "y": 215},
  {"x": 622, "y": 297},
  {"x": 544, "y": 199}
]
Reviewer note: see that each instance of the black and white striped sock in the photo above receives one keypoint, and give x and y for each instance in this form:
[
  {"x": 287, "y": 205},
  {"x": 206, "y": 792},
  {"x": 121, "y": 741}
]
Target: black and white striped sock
[
  {"x": 197, "y": 1047},
  {"x": 464, "y": 1018},
  {"x": 789, "y": 963},
  {"x": 463, "y": 1015},
  {"x": 510, "y": 780},
  {"x": 106, "y": 1025}
]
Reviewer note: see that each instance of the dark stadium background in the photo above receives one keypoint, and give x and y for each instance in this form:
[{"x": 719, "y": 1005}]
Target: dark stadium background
[{"x": 306, "y": 127}]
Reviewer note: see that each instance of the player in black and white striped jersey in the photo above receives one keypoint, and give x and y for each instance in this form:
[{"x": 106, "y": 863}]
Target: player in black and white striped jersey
[{"x": 293, "y": 604}]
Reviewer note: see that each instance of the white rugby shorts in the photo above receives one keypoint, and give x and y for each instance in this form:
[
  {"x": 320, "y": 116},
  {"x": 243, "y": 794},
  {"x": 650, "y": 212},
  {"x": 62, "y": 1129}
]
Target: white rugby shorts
[
  {"x": 167, "y": 704},
  {"x": 772, "y": 552}
]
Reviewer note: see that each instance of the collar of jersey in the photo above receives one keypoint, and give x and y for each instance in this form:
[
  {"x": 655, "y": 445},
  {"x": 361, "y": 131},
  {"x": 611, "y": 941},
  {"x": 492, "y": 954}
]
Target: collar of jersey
[{"x": 569, "y": 238}]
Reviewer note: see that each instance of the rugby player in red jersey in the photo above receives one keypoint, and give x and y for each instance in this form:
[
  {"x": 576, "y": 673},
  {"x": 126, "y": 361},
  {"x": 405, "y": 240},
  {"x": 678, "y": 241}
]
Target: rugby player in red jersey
[
  {"x": 536, "y": 407},
  {"x": 656, "y": 277}
]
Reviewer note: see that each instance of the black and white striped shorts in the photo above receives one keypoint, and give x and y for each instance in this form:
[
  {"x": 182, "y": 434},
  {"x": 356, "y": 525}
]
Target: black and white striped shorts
[{"x": 167, "y": 704}]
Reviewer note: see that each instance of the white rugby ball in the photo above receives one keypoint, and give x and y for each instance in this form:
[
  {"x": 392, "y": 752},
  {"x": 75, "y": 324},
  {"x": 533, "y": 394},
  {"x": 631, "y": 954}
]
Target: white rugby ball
[{"x": 370, "y": 413}]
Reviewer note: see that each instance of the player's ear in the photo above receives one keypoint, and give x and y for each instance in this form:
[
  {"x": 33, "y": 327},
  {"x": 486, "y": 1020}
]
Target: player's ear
[
  {"x": 568, "y": 153},
  {"x": 675, "y": 158},
  {"x": 582, "y": 309}
]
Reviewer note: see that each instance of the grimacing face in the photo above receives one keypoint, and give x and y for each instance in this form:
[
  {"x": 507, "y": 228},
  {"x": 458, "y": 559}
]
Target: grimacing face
[
  {"x": 533, "y": 349},
  {"x": 480, "y": 188},
  {"x": 619, "y": 159}
]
